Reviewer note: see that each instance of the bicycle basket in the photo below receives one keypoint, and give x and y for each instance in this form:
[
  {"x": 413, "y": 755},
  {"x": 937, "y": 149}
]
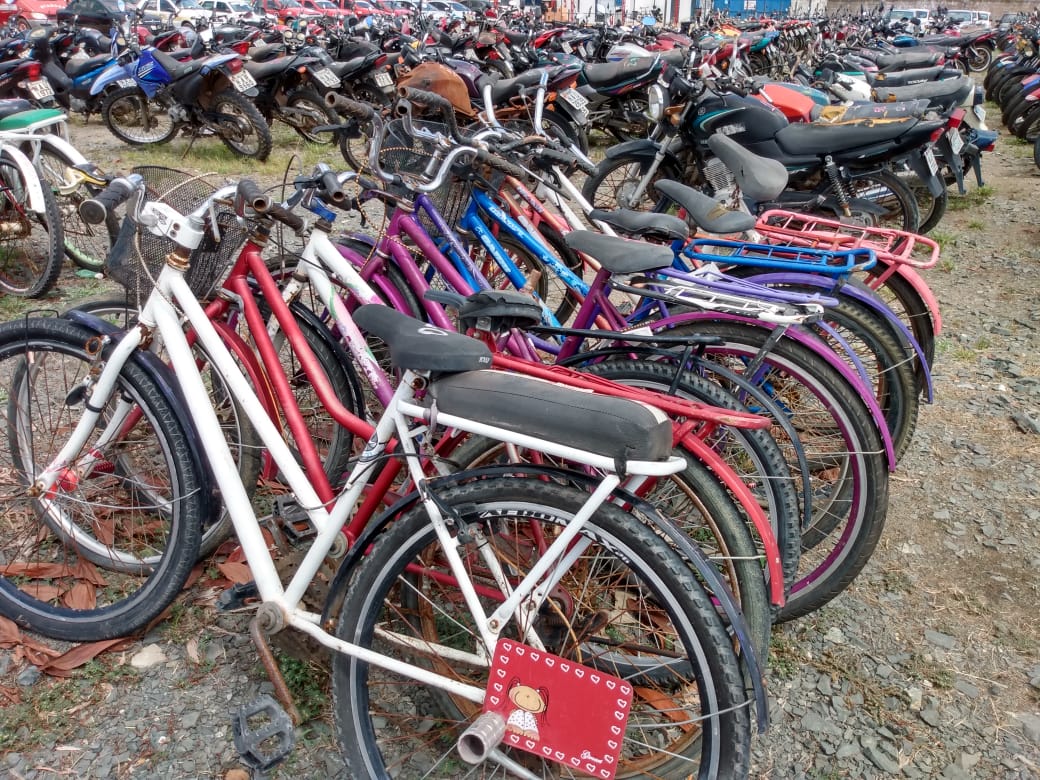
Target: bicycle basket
[
  {"x": 403, "y": 153},
  {"x": 137, "y": 256}
]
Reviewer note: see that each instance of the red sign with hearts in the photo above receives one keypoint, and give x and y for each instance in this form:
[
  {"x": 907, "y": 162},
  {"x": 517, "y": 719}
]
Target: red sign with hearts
[{"x": 558, "y": 709}]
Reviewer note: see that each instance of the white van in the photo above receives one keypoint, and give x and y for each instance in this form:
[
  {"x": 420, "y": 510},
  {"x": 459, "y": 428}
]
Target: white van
[{"x": 922, "y": 14}]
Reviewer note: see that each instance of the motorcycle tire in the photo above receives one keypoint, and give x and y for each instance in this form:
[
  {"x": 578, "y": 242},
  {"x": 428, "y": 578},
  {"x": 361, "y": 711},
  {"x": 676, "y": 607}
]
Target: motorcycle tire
[
  {"x": 231, "y": 104},
  {"x": 132, "y": 118},
  {"x": 317, "y": 114},
  {"x": 979, "y": 58},
  {"x": 900, "y": 203},
  {"x": 615, "y": 178},
  {"x": 355, "y": 140}
]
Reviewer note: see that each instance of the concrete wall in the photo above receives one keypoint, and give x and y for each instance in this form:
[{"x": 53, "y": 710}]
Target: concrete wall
[{"x": 996, "y": 9}]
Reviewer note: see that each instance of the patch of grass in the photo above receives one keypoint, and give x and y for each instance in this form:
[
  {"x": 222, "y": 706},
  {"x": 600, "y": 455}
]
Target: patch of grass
[
  {"x": 944, "y": 239},
  {"x": 784, "y": 659},
  {"x": 183, "y": 622},
  {"x": 971, "y": 199},
  {"x": 920, "y": 668},
  {"x": 976, "y": 224},
  {"x": 308, "y": 684}
]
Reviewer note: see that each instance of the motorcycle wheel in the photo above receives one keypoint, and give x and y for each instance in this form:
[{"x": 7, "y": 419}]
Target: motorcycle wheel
[
  {"x": 930, "y": 209},
  {"x": 880, "y": 188},
  {"x": 961, "y": 64},
  {"x": 241, "y": 127},
  {"x": 611, "y": 186},
  {"x": 559, "y": 127},
  {"x": 134, "y": 119},
  {"x": 979, "y": 58},
  {"x": 314, "y": 113}
]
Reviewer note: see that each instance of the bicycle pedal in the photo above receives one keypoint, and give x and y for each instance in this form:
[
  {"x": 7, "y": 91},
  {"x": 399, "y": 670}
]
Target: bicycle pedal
[
  {"x": 238, "y": 596},
  {"x": 263, "y": 733},
  {"x": 293, "y": 521}
]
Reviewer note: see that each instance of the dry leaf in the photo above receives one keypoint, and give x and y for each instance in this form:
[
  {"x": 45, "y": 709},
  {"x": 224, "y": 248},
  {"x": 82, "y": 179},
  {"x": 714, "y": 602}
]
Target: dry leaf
[
  {"x": 238, "y": 573},
  {"x": 9, "y": 633},
  {"x": 191, "y": 647},
  {"x": 79, "y": 655},
  {"x": 82, "y": 595}
]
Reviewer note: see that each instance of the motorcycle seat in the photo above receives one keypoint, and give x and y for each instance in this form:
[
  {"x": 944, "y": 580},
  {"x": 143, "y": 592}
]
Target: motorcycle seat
[
  {"x": 267, "y": 51},
  {"x": 676, "y": 57},
  {"x": 342, "y": 69},
  {"x": 804, "y": 140},
  {"x": 264, "y": 70},
  {"x": 860, "y": 111},
  {"x": 620, "y": 255},
  {"x": 80, "y": 67},
  {"x": 704, "y": 211},
  {"x": 943, "y": 94},
  {"x": 174, "y": 67},
  {"x": 10, "y": 65},
  {"x": 943, "y": 40},
  {"x": 516, "y": 37},
  {"x": 759, "y": 178},
  {"x": 914, "y": 59},
  {"x": 901, "y": 78},
  {"x": 14, "y": 106},
  {"x": 643, "y": 224},
  {"x": 603, "y": 75},
  {"x": 503, "y": 89}
]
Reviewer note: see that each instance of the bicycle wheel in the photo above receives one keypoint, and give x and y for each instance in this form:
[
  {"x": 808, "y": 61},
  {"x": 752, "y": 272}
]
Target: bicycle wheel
[
  {"x": 698, "y": 504},
  {"x": 86, "y": 245},
  {"x": 549, "y": 287},
  {"x": 906, "y": 302},
  {"x": 627, "y": 605},
  {"x": 753, "y": 454},
  {"x": 242, "y": 438},
  {"x": 136, "y": 493},
  {"x": 847, "y": 464},
  {"x": 31, "y": 250}
]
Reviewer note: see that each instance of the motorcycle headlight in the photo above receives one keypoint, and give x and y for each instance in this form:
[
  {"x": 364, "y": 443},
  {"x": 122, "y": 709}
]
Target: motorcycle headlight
[
  {"x": 655, "y": 102},
  {"x": 38, "y": 17}
]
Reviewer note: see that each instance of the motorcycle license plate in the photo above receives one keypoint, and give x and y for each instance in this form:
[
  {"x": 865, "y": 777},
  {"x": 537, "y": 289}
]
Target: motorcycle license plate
[
  {"x": 584, "y": 52},
  {"x": 243, "y": 80},
  {"x": 956, "y": 142},
  {"x": 575, "y": 99},
  {"x": 327, "y": 78},
  {"x": 384, "y": 79},
  {"x": 126, "y": 83},
  {"x": 980, "y": 112},
  {"x": 929, "y": 158},
  {"x": 40, "y": 89},
  {"x": 567, "y": 48}
]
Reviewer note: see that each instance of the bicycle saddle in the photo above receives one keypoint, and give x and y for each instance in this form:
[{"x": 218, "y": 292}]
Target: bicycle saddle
[
  {"x": 616, "y": 427},
  {"x": 501, "y": 310},
  {"x": 420, "y": 347},
  {"x": 704, "y": 211},
  {"x": 759, "y": 178},
  {"x": 643, "y": 224},
  {"x": 620, "y": 255}
]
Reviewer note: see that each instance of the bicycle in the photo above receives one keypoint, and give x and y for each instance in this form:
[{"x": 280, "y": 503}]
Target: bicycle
[{"x": 467, "y": 544}]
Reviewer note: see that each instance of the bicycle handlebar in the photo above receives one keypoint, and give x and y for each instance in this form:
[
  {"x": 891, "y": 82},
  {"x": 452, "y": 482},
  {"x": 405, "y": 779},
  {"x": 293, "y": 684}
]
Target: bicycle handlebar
[
  {"x": 421, "y": 97},
  {"x": 96, "y": 210}
]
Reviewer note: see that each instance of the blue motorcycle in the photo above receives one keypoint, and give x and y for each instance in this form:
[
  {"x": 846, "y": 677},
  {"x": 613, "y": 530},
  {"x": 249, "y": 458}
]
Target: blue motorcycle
[{"x": 156, "y": 96}]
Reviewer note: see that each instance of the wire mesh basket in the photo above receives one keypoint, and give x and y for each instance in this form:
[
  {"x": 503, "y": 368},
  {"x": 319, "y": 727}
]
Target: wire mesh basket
[{"x": 137, "y": 256}]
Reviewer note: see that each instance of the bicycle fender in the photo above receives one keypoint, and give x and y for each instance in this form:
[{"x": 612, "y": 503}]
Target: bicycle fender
[
  {"x": 864, "y": 297},
  {"x": 63, "y": 147},
  {"x": 685, "y": 547},
  {"x": 915, "y": 280},
  {"x": 162, "y": 375},
  {"x": 29, "y": 174},
  {"x": 821, "y": 350}
]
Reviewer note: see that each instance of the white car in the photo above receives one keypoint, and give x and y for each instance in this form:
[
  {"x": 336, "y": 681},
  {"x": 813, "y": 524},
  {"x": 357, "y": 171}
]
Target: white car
[
  {"x": 168, "y": 12},
  {"x": 440, "y": 9},
  {"x": 231, "y": 10}
]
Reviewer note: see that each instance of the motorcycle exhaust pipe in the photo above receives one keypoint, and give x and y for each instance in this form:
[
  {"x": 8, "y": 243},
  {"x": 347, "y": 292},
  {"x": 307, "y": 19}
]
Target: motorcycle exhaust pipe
[{"x": 483, "y": 736}]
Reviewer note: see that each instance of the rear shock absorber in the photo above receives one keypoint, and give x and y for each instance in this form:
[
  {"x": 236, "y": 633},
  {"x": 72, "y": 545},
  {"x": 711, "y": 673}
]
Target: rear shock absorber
[{"x": 834, "y": 174}]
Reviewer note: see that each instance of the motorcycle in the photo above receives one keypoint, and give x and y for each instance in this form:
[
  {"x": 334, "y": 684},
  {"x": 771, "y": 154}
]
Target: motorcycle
[{"x": 157, "y": 97}]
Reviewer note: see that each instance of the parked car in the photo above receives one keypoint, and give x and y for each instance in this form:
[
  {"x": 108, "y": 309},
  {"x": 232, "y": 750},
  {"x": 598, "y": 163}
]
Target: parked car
[
  {"x": 326, "y": 8},
  {"x": 230, "y": 10},
  {"x": 967, "y": 18},
  {"x": 387, "y": 7},
  {"x": 440, "y": 9},
  {"x": 99, "y": 14},
  {"x": 33, "y": 13},
  {"x": 285, "y": 11},
  {"x": 167, "y": 12}
]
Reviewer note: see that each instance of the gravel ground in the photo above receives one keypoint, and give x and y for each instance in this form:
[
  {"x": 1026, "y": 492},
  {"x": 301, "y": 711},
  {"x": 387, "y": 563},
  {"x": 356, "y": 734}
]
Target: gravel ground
[{"x": 928, "y": 666}]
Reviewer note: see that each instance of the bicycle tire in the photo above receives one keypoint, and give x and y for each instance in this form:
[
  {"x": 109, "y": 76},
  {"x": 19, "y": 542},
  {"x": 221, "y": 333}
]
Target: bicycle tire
[
  {"x": 52, "y": 586},
  {"x": 848, "y": 468},
  {"x": 770, "y": 478},
  {"x": 508, "y": 511},
  {"x": 243, "y": 440},
  {"x": 905, "y": 301},
  {"x": 85, "y": 244},
  {"x": 25, "y": 270},
  {"x": 702, "y": 508}
]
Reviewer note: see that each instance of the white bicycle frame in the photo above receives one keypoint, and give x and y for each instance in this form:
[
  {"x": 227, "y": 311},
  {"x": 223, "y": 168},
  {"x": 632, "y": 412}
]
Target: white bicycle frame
[{"x": 522, "y": 601}]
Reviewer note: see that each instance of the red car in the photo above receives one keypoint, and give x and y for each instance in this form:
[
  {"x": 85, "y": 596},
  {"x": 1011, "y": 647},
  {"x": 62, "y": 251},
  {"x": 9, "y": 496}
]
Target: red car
[
  {"x": 326, "y": 8},
  {"x": 33, "y": 13}
]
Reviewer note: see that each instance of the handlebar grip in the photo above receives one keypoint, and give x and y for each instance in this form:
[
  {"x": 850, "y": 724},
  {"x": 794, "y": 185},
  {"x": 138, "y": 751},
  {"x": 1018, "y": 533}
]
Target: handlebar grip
[
  {"x": 508, "y": 168},
  {"x": 250, "y": 194},
  {"x": 349, "y": 107},
  {"x": 96, "y": 210},
  {"x": 432, "y": 100},
  {"x": 333, "y": 191},
  {"x": 281, "y": 214}
]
